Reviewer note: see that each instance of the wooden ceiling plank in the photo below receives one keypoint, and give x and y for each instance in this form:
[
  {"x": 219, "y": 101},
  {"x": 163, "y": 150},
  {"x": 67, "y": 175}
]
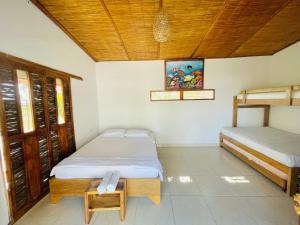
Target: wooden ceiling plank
[
  {"x": 250, "y": 36},
  {"x": 115, "y": 26},
  {"x": 239, "y": 20},
  {"x": 134, "y": 19},
  {"x": 88, "y": 22},
  {"x": 45, "y": 11},
  {"x": 210, "y": 28},
  {"x": 117, "y": 30},
  {"x": 189, "y": 22},
  {"x": 280, "y": 32}
]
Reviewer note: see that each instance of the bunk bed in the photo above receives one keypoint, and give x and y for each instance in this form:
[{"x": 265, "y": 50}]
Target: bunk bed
[
  {"x": 272, "y": 152},
  {"x": 288, "y": 95}
]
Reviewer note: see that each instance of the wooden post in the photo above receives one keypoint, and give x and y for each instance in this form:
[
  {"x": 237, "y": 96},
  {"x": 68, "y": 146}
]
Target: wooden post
[
  {"x": 266, "y": 115},
  {"x": 235, "y": 111},
  {"x": 290, "y": 95},
  {"x": 292, "y": 180}
]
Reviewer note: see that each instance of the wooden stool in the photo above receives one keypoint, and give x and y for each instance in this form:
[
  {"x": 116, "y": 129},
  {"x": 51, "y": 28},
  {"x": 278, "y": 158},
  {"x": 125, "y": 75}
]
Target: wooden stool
[
  {"x": 93, "y": 201},
  {"x": 297, "y": 206}
]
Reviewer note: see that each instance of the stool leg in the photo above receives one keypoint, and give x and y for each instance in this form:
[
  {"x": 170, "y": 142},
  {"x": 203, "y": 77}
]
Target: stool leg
[
  {"x": 122, "y": 206},
  {"x": 88, "y": 214},
  {"x": 125, "y": 197}
]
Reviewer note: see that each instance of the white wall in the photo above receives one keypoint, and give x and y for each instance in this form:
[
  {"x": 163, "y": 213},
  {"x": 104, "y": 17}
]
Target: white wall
[
  {"x": 123, "y": 95},
  {"x": 27, "y": 33},
  {"x": 285, "y": 70}
]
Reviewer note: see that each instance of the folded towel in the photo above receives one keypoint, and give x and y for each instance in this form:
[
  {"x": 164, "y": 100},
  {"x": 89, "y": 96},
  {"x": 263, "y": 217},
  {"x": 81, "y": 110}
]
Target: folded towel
[
  {"x": 113, "y": 183},
  {"x": 103, "y": 185}
]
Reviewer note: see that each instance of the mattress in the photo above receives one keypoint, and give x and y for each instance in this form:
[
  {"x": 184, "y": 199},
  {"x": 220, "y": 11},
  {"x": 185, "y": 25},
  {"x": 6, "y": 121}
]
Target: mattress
[
  {"x": 133, "y": 157},
  {"x": 279, "y": 145},
  {"x": 270, "y": 95}
]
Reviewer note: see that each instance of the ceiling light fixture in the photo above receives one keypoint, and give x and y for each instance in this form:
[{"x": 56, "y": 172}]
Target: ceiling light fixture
[{"x": 161, "y": 28}]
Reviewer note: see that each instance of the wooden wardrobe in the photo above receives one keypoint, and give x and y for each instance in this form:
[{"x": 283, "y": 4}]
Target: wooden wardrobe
[{"x": 28, "y": 157}]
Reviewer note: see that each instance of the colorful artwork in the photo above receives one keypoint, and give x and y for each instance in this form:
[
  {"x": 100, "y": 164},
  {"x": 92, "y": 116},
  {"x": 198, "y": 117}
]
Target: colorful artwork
[{"x": 184, "y": 74}]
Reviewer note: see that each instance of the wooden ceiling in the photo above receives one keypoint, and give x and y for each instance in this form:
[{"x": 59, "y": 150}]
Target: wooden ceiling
[{"x": 122, "y": 29}]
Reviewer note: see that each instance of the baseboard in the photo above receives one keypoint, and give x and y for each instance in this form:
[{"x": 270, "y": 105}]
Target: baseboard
[{"x": 188, "y": 145}]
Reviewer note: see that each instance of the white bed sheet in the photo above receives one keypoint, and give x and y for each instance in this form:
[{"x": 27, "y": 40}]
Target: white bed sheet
[
  {"x": 270, "y": 95},
  {"x": 279, "y": 145},
  {"x": 132, "y": 157}
]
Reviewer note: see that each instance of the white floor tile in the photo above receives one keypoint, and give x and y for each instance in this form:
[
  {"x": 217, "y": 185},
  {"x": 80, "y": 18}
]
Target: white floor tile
[
  {"x": 230, "y": 210},
  {"x": 202, "y": 186},
  {"x": 149, "y": 213},
  {"x": 183, "y": 185},
  {"x": 191, "y": 210}
]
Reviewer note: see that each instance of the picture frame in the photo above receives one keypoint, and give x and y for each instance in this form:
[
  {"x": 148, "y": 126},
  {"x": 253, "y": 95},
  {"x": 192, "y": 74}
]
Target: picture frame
[{"x": 184, "y": 74}]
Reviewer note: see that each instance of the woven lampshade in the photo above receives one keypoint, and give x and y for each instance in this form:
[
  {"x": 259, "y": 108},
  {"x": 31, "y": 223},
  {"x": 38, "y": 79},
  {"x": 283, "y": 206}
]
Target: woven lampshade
[{"x": 161, "y": 28}]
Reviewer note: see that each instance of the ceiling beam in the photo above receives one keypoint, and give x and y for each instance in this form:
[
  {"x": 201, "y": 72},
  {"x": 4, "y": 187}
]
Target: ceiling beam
[
  {"x": 210, "y": 28},
  {"x": 115, "y": 26},
  {"x": 278, "y": 11},
  {"x": 45, "y": 11}
]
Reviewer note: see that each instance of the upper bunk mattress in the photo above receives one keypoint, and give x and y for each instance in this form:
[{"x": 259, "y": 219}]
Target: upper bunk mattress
[
  {"x": 270, "y": 95},
  {"x": 133, "y": 157},
  {"x": 279, "y": 145}
]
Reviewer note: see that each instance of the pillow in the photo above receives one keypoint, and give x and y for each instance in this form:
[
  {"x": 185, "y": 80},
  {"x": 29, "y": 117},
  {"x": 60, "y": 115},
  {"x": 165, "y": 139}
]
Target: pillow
[
  {"x": 138, "y": 133},
  {"x": 113, "y": 133}
]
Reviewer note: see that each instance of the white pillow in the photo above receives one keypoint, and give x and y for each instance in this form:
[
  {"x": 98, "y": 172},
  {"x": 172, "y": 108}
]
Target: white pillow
[
  {"x": 138, "y": 133},
  {"x": 113, "y": 133}
]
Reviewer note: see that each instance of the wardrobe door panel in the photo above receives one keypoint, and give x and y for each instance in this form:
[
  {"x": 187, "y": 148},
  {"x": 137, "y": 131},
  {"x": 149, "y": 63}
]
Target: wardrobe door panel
[
  {"x": 69, "y": 119},
  {"x": 19, "y": 180},
  {"x": 55, "y": 146},
  {"x": 38, "y": 100},
  {"x": 9, "y": 97},
  {"x": 36, "y": 126},
  {"x": 44, "y": 162},
  {"x": 63, "y": 141},
  {"x": 32, "y": 164},
  {"x": 52, "y": 107}
]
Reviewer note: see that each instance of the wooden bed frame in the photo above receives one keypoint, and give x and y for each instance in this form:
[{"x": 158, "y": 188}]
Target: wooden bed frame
[
  {"x": 288, "y": 101},
  {"x": 60, "y": 188},
  {"x": 292, "y": 173}
]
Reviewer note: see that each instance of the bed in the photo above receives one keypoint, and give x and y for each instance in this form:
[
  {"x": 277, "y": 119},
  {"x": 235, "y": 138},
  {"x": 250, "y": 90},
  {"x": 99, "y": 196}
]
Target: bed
[
  {"x": 274, "y": 153},
  {"x": 287, "y": 95},
  {"x": 135, "y": 157}
]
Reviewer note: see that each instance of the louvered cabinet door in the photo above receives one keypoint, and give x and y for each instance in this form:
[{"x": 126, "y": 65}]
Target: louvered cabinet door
[
  {"x": 69, "y": 118},
  {"x": 52, "y": 121},
  {"x": 9, "y": 97},
  {"x": 38, "y": 88},
  {"x": 19, "y": 185},
  {"x": 52, "y": 107},
  {"x": 44, "y": 162},
  {"x": 32, "y": 164},
  {"x": 20, "y": 192},
  {"x": 36, "y": 126}
]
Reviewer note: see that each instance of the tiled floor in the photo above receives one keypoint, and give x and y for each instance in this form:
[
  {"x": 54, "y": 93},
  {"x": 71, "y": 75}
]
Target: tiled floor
[{"x": 203, "y": 186}]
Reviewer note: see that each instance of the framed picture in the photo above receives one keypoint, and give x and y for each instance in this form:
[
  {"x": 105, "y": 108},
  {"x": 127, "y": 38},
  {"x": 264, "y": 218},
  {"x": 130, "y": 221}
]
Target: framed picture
[{"x": 184, "y": 74}]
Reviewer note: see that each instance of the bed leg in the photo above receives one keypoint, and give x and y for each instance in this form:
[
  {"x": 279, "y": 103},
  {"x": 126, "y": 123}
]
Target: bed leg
[
  {"x": 54, "y": 199},
  {"x": 292, "y": 181},
  {"x": 221, "y": 140},
  {"x": 154, "y": 198}
]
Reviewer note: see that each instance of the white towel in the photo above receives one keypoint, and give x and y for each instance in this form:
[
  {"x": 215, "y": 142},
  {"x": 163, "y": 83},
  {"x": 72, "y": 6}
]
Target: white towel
[
  {"x": 112, "y": 184},
  {"x": 105, "y": 181}
]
